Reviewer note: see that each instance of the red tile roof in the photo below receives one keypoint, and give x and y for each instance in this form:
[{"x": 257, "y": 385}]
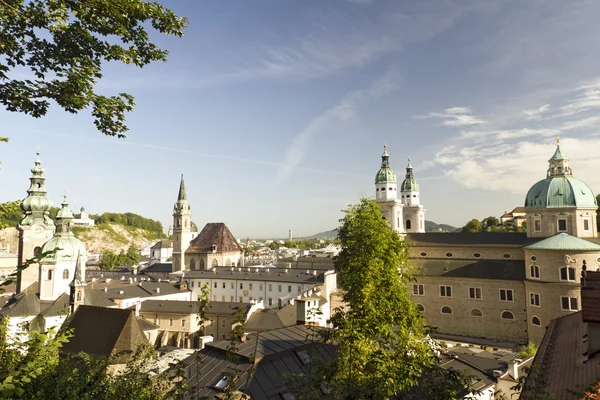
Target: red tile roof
[{"x": 214, "y": 234}]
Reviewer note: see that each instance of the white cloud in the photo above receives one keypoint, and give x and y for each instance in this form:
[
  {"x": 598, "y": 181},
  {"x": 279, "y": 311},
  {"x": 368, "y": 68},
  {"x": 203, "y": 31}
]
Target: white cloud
[
  {"x": 342, "y": 112},
  {"x": 535, "y": 113},
  {"x": 454, "y": 116}
]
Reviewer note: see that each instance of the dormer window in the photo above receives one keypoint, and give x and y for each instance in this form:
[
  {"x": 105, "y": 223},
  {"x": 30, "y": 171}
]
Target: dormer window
[{"x": 562, "y": 225}]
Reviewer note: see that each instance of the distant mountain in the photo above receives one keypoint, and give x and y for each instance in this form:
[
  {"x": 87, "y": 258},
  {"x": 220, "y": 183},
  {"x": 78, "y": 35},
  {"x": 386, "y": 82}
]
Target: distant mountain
[
  {"x": 430, "y": 226},
  {"x": 324, "y": 235}
]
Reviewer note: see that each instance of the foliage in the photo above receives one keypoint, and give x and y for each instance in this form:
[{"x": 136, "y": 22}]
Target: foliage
[
  {"x": 533, "y": 384},
  {"x": 10, "y": 214},
  {"x": 380, "y": 337},
  {"x": 60, "y": 47},
  {"x": 490, "y": 222},
  {"x": 443, "y": 384},
  {"x": 472, "y": 226},
  {"x": 528, "y": 350},
  {"x": 132, "y": 220},
  {"x": 109, "y": 259},
  {"x": 431, "y": 226}
]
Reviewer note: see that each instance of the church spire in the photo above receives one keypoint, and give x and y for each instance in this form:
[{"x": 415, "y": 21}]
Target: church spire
[
  {"x": 558, "y": 163},
  {"x": 77, "y": 286},
  {"x": 182, "y": 195},
  {"x": 64, "y": 219},
  {"x": 36, "y": 205}
]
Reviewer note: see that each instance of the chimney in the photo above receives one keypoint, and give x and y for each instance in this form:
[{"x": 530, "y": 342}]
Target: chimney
[
  {"x": 513, "y": 368},
  {"x": 157, "y": 290},
  {"x": 105, "y": 289}
]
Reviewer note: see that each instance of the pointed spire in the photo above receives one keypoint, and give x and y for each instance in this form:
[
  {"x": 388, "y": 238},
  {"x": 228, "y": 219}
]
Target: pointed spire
[
  {"x": 78, "y": 279},
  {"x": 182, "y": 195},
  {"x": 557, "y": 156},
  {"x": 385, "y": 157},
  {"x": 36, "y": 206}
]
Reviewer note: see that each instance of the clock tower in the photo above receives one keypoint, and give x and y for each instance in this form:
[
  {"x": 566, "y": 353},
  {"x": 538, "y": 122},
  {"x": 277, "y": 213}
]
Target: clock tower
[
  {"x": 36, "y": 227},
  {"x": 182, "y": 228}
]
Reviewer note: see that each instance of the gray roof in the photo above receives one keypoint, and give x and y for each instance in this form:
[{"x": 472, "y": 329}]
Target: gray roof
[
  {"x": 480, "y": 269},
  {"x": 103, "y": 331},
  {"x": 146, "y": 325},
  {"x": 121, "y": 290},
  {"x": 26, "y": 303},
  {"x": 192, "y": 307},
  {"x": 275, "y": 352},
  {"x": 269, "y": 318},
  {"x": 162, "y": 244},
  {"x": 512, "y": 239},
  {"x": 263, "y": 274},
  {"x": 158, "y": 268},
  {"x": 563, "y": 241}
]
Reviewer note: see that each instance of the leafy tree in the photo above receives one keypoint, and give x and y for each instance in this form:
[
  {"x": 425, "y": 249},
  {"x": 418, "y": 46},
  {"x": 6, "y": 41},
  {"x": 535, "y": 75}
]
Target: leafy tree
[
  {"x": 273, "y": 246},
  {"x": 380, "y": 337},
  {"x": 10, "y": 214},
  {"x": 108, "y": 260},
  {"x": 133, "y": 255},
  {"x": 62, "y": 46},
  {"x": 490, "y": 222},
  {"x": 472, "y": 226},
  {"x": 290, "y": 244}
]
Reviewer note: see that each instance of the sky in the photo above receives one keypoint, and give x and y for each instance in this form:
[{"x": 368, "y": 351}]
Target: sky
[{"x": 277, "y": 112}]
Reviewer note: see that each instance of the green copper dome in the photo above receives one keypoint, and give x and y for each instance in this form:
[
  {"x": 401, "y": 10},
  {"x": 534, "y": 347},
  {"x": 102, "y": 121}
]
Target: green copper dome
[
  {"x": 410, "y": 183},
  {"x": 66, "y": 244},
  {"x": 560, "y": 191},
  {"x": 36, "y": 206},
  {"x": 385, "y": 173}
]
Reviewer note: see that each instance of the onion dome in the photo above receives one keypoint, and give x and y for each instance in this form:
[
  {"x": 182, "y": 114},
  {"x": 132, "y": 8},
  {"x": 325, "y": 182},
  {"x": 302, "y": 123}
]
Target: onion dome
[
  {"x": 560, "y": 188},
  {"x": 385, "y": 173},
  {"x": 36, "y": 205},
  {"x": 67, "y": 245},
  {"x": 410, "y": 183}
]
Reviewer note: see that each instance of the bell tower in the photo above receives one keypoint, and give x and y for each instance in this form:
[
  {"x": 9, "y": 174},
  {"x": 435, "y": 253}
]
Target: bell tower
[
  {"x": 182, "y": 228},
  {"x": 386, "y": 193},
  {"x": 414, "y": 213},
  {"x": 36, "y": 227}
]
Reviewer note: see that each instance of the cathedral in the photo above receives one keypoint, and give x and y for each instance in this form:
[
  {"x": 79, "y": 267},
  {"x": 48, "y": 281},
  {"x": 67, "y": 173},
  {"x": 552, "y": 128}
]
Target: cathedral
[{"x": 506, "y": 286}]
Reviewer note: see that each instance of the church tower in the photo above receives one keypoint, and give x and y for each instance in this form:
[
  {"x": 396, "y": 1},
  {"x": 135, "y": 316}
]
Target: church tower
[
  {"x": 414, "y": 213},
  {"x": 386, "y": 193},
  {"x": 35, "y": 228},
  {"x": 57, "y": 269},
  {"x": 77, "y": 287},
  {"x": 182, "y": 228}
]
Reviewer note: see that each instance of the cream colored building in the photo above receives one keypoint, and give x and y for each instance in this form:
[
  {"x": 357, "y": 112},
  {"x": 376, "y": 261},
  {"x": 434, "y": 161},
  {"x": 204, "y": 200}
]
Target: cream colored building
[{"x": 509, "y": 285}]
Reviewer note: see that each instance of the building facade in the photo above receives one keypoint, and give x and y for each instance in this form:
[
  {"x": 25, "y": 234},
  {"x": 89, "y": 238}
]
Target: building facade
[{"x": 509, "y": 285}]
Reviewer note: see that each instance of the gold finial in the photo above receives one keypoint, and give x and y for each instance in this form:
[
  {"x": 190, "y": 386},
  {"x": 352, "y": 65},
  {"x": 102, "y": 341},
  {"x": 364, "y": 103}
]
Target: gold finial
[
  {"x": 37, "y": 150},
  {"x": 384, "y": 144},
  {"x": 64, "y": 195},
  {"x": 557, "y": 140}
]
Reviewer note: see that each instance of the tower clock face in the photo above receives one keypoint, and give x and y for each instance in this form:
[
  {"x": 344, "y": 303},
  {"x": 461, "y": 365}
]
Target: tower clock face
[{"x": 37, "y": 229}]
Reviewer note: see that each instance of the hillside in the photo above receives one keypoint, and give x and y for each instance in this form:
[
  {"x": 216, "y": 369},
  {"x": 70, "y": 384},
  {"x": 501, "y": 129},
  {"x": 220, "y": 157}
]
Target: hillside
[
  {"x": 430, "y": 226},
  {"x": 114, "y": 237}
]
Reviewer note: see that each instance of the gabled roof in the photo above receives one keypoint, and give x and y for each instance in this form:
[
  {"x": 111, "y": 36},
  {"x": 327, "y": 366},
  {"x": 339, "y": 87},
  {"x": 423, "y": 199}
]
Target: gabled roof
[
  {"x": 214, "y": 234},
  {"x": 563, "y": 241},
  {"x": 103, "y": 331},
  {"x": 162, "y": 244},
  {"x": 26, "y": 303},
  {"x": 268, "y": 319}
]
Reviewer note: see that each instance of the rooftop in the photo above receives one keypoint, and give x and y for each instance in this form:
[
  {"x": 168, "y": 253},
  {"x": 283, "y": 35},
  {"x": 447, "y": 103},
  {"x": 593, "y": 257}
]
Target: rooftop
[
  {"x": 481, "y": 269},
  {"x": 191, "y": 307},
  {"x": 563, "y": 241},
  {"x": 259, "y": 274},
  {"x": 214, "y": 236}
]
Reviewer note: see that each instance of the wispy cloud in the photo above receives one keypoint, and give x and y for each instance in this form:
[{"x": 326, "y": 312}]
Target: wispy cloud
[
  {"x": 454, "y": 116},
  {"x": 535, "y": 113},
  {"x": 343, "y": 111}
]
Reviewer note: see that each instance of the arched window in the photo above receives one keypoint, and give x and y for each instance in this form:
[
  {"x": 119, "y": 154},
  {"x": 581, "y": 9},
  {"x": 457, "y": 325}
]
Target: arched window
[
  {"x": 193, "y": 264},
  {"x": 215, "y": 263},
  {"x": 49, "y": 276},
  {"x": 228, "y": 263},
  {"x": 202, "y": 264},
  {"x": 78, "y": 295},
  {"x": 476, "y": 312},
  {"x": 408, "y": 224},
  {"x": 567, "y": 274},
  {"x": 536, "y": 321},
  {"x": 37, "y": 251},
  {"x": 446, "y": 310},
  {"x": 420, "y": 307},
  {"x": 508, "y": 315},
  {"x": 65, "y": 274}
]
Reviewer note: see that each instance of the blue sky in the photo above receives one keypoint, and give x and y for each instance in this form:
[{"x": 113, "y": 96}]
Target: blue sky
[{"x": 277, "y": 111}]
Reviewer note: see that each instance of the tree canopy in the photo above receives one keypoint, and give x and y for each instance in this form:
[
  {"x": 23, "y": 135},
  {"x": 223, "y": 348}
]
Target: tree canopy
[
  {"x": 380, "y": 336},
  {"x": 53, "y": 51}
]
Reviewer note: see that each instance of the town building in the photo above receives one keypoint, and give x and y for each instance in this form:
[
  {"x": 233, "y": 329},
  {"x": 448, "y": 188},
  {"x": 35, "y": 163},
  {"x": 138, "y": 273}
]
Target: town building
[
  {"x": 84, "y": 219},
  {"x": 515, "y": 218},
  {"x": 162, "y": 251},
  {"x": 504, "y": 285}
]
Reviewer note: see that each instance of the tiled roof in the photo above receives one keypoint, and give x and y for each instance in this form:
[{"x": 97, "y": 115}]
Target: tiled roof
[
  {"x": 97, "y": 298},
  {"x": 561, "y": 359},
  {"x": 60, "y": 306},
  {"x": 263, "y": 274},
  {"x": 518, "y": 210},
  {"x": 162, "y": 244},
  {"x": 481, "y": 269},
  {"x": 214, "y": 234},
  {"x": 103, "y": 331},
  {"x": 467, "y": 238},
  {"x": 192, "y": 307},
  {"x": 564, "y": 241},
  {"x": 158, "y": 267},
  {"x": 146, "y": 325},
  {"x": 268, "y": 319},
  {"x": 276, "y": 355},
  {"x": 137, "y": 289},
  {"x": 590, "y": 297}
]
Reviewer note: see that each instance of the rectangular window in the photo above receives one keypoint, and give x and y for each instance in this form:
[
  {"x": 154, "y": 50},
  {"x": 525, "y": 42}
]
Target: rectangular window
[
  {"x": 567, "y": 274},
  {"x": 279, "y": 288},
  {"x": 569, "y": 303},
  {"x": 418, "y": 289},
  {"x": 241, "y": 299},
  {"x": 537, "y": 225},
  {"x": 241, "y": 285},
  {"x": 279, "y": 302},
  {"x": 260, "y": 287},
  {"x": 231, "y": 298},
  {"x": 270, "y": 287},
  {"x": 270, "y": 301},
  {"x": 535, "y": 272},
  {"x": 232, "y": 285},
  {"x": 250, "y": 285},
  {"x": 299, "y": 289},
  {"x": 192, "y": 284},
  {"x": 445, "y": 291},
  {"x": 506, "y": 295},
  {"x": 475, "y": 293},
  {"x": 215, "y": 285},
  {"x": 171, "y": 322},
  {"x": 212, "y": 322},
  {"x": 586, "y": 224},
  {"x": 289, "y": 289},
  {"x": 222, "y": 297},
  {"x": 183, "y": 322},
  {"x": 534, "y": 299},
  {"x": 562, "y": 225},
  {"x": 223, "y": 323},
  {"x": 223, "y": 285}
]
